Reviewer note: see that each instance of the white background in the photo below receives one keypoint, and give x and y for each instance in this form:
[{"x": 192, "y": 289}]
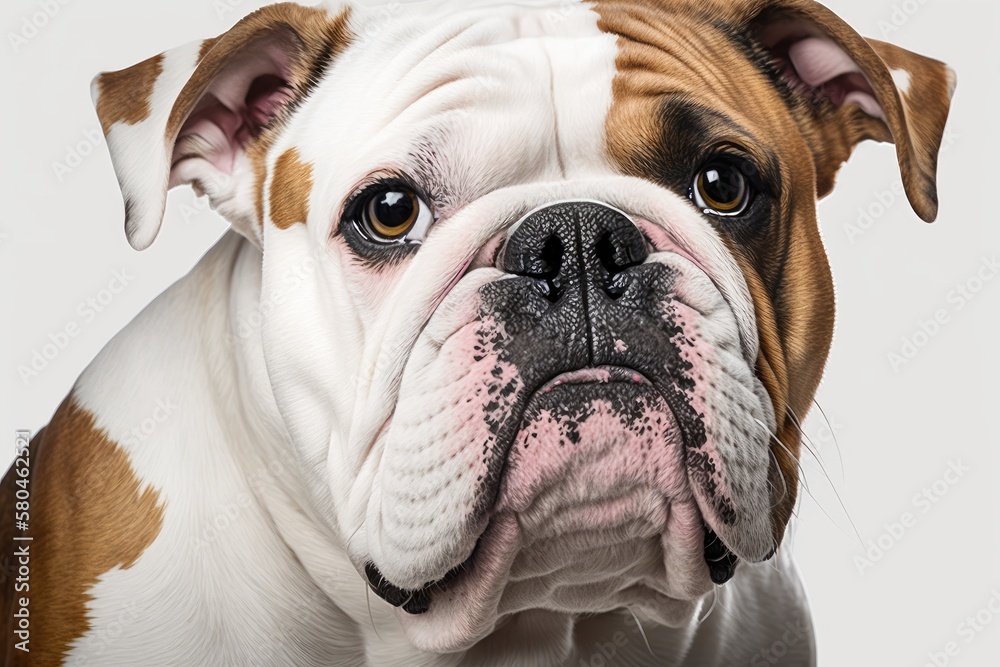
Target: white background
[{"x": 898, "y": 430}]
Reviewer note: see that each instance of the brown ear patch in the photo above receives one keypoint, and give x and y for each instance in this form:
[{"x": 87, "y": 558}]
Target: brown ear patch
[
  {"x": 313, "y": 39},
  {"x": 316, "y": 37},
  {"x": 291, "y": 185},
  {"x": 926, "y": 102},
  {"x": 912, "y": 118},
  {"x": 89, "y": 515},
  {"x": 206, "y": 46},
  {"x": 124, "y": 95}
]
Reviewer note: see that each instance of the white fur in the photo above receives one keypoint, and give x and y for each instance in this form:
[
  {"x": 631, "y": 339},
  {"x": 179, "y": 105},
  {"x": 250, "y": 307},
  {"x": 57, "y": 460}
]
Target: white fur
[
  {"x": 300, "y": 401},
  {"x": 902, "y": 80},
  {"x": 142, "y": 165}
]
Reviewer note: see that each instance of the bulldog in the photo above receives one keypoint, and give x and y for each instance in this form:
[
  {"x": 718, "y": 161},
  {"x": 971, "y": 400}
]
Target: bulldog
[{"x": 504, "y": 359}]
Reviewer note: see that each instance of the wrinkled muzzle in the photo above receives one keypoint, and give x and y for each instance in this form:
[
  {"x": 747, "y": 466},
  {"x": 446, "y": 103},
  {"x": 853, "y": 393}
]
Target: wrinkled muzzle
[{"x": 587, "y": 435}]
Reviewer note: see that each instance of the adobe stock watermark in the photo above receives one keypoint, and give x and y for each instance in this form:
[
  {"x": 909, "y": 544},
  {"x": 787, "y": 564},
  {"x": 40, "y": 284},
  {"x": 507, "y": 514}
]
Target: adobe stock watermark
[
  {"x": 607, "y": 652},
  {"x": 379, "y": 20},
  {"x": 957, "y": 299},
  {"x": 248, "y": 325},
  {"x": 225, "y": 7},
  {"x": 231, "y": 511},
  {"x": 163, "y": 410},
  {"x": 86, "y": 312},
  {"x": 885, "y": 198},
  {"x": 922, "y": 503},
  {"x": 900, "y": 15},
  {"x": 818, "y": 439},
  {"x": 75, "y": 152},
  {"x": 564, "y": 10},
  {"x": 106, "y": 635},
  {"x": 32, "y": 24},
  {"x": 967, "y": 631},
  {"x": 794, "y": 633}
]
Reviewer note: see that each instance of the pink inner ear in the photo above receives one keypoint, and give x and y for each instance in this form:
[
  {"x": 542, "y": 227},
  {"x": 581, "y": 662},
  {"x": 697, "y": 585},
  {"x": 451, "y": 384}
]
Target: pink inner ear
[
  {"x": 267, "y": 95},
  {"x": 825, "y": 67},
  {"x": 817, "y": 66},
  {"x": 234, "y": 109}
]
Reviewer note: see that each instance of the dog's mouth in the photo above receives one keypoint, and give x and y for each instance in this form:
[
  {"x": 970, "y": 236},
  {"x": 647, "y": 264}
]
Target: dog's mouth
[
  {"x": 720, "y": 560},
  {"x": 599, "y": 453},
  {"x": 516, "y": 500}
]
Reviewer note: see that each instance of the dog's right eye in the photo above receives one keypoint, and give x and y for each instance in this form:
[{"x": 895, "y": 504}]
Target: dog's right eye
[{"x": 394, "y": 214}]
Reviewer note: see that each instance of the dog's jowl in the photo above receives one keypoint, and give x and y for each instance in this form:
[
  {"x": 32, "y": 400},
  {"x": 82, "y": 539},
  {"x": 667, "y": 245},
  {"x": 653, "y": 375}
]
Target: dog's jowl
[{"x": 503, "y": 359}]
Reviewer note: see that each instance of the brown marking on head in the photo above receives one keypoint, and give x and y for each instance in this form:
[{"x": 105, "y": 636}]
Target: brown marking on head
[
  {"x": 123, "y": 96},
  {"x": 291, "y": 185},
  {"x": 311, "y": 36},
  {"x": 693, "y": 76},
  {"x": 279, "y": 53},
  {"x": 90, "y": 514},
  {"x": 312, "y": 39}
]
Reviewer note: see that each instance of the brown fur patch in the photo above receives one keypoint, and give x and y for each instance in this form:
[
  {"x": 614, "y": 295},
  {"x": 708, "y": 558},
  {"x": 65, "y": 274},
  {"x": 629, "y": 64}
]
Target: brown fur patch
[
  {"x": 291, "y": 185},
  {"x": 311, "y": 33},
  {"x": 123, "y": 96},
  {"x": 670, "y": 93},
  {"x": 313, "y": 38},
  {"x": 703, "y": 57},
  {"x": 89, "y": 515},
  {"x": 925, "y": 112},
  {"x": 206, "y": 46}
]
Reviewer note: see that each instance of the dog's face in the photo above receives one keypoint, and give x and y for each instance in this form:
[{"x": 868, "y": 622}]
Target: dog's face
[{"x": 544, "y": 296}]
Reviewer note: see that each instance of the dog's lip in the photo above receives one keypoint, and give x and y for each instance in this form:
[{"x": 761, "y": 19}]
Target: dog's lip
[
  {"x": 594, "y": 375},
  {"x": 416, "y": 601},
  {"x": 719, "y": 559}
]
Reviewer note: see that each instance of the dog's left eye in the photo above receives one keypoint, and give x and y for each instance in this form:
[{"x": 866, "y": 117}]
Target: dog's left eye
[
  {"x": 394, "y": 214},
  {"x": 721, "y": 188}
]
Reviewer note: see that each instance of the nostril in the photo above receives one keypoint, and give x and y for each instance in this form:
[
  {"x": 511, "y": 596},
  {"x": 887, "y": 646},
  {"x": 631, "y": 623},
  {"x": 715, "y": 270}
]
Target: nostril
[
  {"x": 615, "y": 288},
  {"x": 605, "y": 249},
  {"x": 547, "y": 269},
  {"x": 615, "y": 259},
  {"x": 551, "y": 258}
]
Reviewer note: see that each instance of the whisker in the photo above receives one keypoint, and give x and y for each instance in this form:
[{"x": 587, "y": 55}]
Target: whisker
[
  {"x": 833, "y": 434},
  {"x": 642, "y": 632},
  {"x": 368, "y": 601},
  {"x": 806, "y": 486},
  {"x": 354, "y": 534},
  {"x": 813, "y": 449},
  {"x": 784, "y": 484},
  {"x": 715, "y": 599},
  {"x": 806, "y": 441},
  {"x": 833, "y": 486}
]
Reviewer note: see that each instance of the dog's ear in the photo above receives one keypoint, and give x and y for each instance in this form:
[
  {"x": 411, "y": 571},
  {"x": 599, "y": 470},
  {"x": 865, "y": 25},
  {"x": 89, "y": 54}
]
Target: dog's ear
[
  {"x": 203, "y": 114},
  {"x": 844, "y": 89}
]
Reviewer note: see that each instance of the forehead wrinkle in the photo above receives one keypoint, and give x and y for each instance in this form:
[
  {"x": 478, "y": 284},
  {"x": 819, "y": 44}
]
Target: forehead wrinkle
[
  {"x": 677, "y": 64},
  {"x": 440, "y": 157},
  {"x": 674, "y": 47},
  {"x": 456, "y": 140}
]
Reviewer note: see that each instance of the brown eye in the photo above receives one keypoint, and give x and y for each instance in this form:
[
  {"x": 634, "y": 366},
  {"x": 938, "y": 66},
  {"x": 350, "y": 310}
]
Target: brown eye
[
  {"x": 390, "y": 214},
  {"x": 721, "y": 188}
]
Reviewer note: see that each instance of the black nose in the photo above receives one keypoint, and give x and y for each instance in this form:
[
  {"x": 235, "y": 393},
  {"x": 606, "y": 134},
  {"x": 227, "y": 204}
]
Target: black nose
[{"x": 575, "y": 244}]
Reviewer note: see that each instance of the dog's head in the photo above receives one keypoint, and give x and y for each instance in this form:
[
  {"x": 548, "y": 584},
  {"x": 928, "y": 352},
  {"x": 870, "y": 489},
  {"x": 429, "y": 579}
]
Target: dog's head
[{"x": 545, "y": 294}]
